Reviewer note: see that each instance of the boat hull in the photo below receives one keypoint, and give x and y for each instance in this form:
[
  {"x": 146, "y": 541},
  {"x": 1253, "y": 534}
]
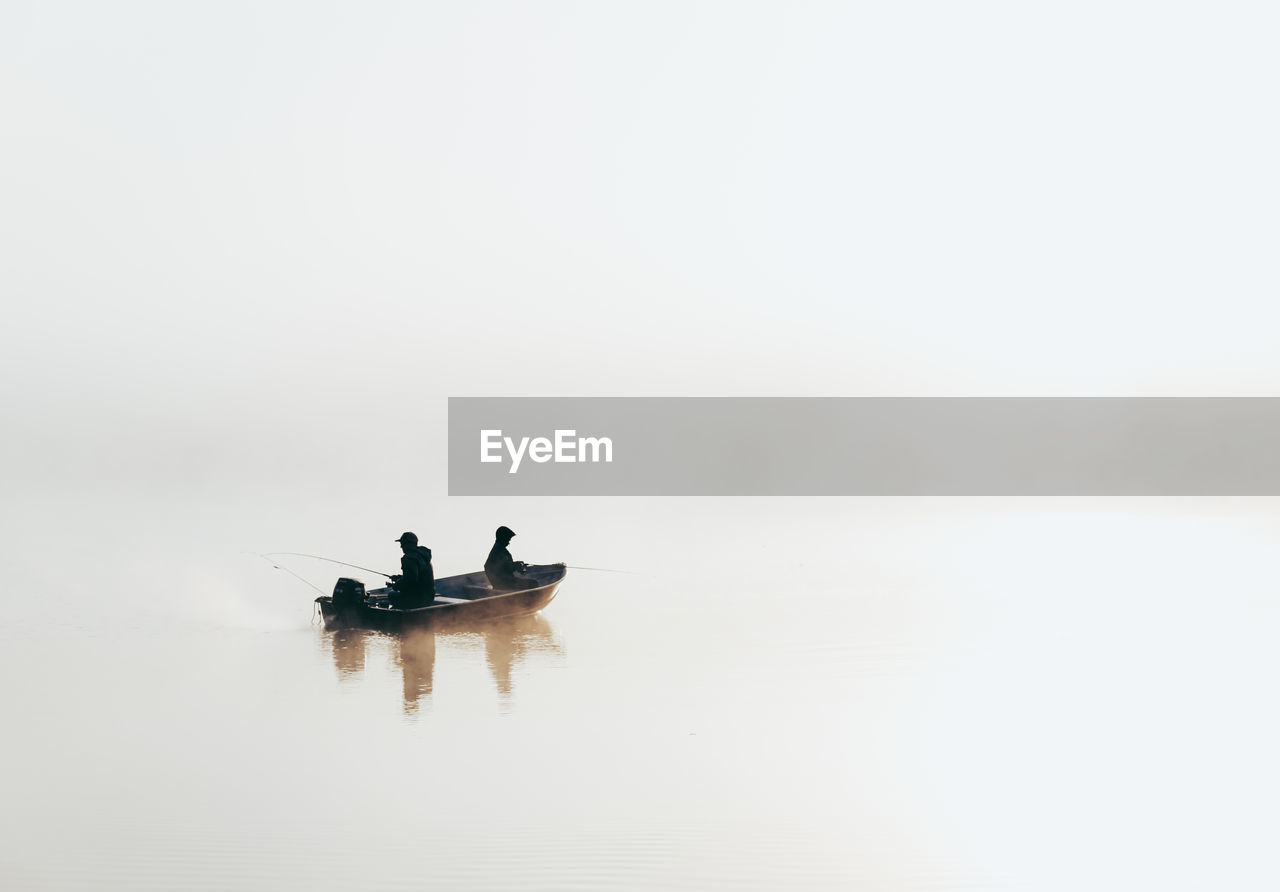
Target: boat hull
[{"x": 460, "y": 600}]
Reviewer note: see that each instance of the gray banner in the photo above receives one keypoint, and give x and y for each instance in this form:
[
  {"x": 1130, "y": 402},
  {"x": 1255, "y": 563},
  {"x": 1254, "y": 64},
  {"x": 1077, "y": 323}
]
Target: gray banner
[{"x": 864, "y": 446}]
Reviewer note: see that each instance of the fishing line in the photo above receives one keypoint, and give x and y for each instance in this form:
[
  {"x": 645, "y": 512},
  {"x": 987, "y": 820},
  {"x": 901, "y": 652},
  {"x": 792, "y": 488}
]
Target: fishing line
[
  {"x": 330, "y": 560},
  {"x": 287, "y": 570},
  {"x": 267, "y": 557}
]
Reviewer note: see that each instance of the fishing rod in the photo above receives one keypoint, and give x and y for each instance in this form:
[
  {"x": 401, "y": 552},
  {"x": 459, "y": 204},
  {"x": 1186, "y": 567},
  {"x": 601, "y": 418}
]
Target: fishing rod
[
  {"x": 330, "y": 560},
  {"x": 287, "y": 570},
  {"x": 317, "y": 557}
]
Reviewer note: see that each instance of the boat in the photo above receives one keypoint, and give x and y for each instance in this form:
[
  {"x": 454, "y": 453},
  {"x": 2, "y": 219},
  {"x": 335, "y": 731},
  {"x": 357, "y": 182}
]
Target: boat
[{"x": 460, "y": 600}]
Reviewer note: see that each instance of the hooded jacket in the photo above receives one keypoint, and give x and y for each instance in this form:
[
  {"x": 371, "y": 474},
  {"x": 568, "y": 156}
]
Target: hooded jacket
[
  {"x": 416, "y": 575},
  {"x": 501, "y": 569}
]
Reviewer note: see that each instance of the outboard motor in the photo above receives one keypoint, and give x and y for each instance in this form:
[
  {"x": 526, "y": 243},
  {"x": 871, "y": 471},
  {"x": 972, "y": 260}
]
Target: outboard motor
[{"x": 348, "y": 593}]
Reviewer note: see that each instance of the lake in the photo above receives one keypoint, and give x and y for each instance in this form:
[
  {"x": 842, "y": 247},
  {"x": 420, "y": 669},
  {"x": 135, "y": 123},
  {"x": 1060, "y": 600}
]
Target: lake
[{"x": 780, "y": 693}]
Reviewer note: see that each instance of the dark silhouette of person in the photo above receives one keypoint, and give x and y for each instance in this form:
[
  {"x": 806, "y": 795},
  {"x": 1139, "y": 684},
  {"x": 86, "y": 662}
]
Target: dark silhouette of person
[
  {"x": 502, "y": 571},
  {"x": 416, "y": 584}
]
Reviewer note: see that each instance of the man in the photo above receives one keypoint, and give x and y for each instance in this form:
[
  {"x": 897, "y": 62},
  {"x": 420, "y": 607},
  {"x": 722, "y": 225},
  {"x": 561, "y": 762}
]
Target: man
[
  {"x": 416, "y": 584},
  {"x": 503, "y": 572}
]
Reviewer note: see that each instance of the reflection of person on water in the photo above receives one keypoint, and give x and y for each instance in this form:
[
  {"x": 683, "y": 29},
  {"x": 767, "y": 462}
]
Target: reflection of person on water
[
  {"x": 417, "y": 658},
  {"x": 416, "y": 584},
  {"x": 509, "y": 643},
  {"x": 503, "y": 572}
]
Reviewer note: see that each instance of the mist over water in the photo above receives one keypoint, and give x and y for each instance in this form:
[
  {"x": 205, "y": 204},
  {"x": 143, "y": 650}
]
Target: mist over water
[
  {"x": 886, "y": 694},
  {"x": 250, "y": 250}
]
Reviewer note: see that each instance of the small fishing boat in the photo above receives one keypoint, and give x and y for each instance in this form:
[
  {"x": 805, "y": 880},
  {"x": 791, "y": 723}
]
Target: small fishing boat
[{"x": 459, "y": 600}]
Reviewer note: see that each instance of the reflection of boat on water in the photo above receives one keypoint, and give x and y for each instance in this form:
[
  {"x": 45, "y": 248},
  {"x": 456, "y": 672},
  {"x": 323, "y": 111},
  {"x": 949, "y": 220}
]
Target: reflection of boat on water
[
  {"x": 507, "y": 644},
  {"x": 348, "y": 651},
  {"x": 464, "y": 599}
]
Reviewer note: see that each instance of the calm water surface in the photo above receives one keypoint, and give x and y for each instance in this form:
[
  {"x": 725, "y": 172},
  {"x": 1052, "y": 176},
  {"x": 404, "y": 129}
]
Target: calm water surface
[{"x": 819, "y": 694}]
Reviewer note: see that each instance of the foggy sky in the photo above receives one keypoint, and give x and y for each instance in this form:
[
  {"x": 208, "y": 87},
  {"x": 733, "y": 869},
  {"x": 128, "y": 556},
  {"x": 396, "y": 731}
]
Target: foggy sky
[{"x": 287, "y": 219}]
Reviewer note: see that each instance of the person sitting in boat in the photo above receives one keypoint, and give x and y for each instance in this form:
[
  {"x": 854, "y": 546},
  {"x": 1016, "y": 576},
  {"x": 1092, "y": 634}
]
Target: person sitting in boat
[
  {"x": 416, "y": 584},
  {"x": 502, "y": 571}
]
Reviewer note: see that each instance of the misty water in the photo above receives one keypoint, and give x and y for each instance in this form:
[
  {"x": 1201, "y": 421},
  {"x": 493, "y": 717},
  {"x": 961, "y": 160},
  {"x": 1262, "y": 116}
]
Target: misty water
[
  {"x": 823, "y": 693},
  {"x": 251, "y": 250}
]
